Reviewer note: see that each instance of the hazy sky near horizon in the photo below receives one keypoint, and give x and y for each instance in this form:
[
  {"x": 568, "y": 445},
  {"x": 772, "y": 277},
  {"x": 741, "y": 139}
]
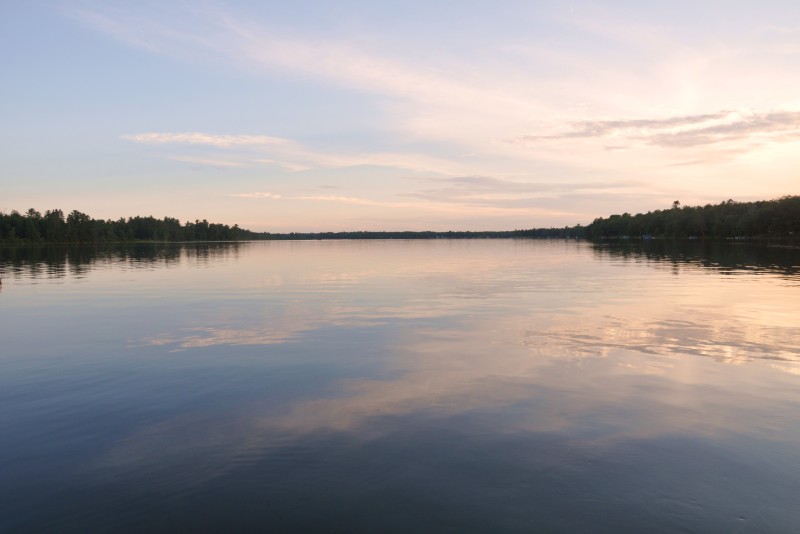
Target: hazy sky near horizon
[{"x": 362, "y": 115}]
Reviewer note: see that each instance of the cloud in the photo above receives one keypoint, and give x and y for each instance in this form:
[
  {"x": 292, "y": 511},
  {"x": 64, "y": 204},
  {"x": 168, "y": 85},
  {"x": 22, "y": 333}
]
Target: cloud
[
  {"x": 197, "y": 31},
  {"x": 197, "y": 138},
  {"x": 345, "y": 199},
  {"x": 685, "y": 130},
  {"x": 439, "y": 205},
  {"x": 294, "y": 156},
  {"x": 207, "y": 161},
  {"x": 256, "y": 194},
  {"x": 485, "y": 190},
  {"x": 556, "y": 118},
  {"x": 610, "y": 127},
  {"x": 523, "y": 91},
  {"x": 756, "y": 127},
  {"x": 444, "y": 98},
  {"x": 289, "y": 166}
]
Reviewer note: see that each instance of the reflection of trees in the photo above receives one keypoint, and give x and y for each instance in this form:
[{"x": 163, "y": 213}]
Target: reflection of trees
[
  {"x": 717, "y": 255},
  {"x": 55, "y": 261}
]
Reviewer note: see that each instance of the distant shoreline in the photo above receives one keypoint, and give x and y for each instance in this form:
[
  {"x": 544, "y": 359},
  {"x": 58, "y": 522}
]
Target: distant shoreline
[
  {"x": 777, "y": 219},
  {"x": 787, "y": 242}
]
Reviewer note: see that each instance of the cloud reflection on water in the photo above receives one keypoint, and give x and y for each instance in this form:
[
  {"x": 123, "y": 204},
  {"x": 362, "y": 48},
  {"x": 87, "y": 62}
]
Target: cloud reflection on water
[
  {"x": 601, "y": 355},
  {"x": 543, "y": 337},
  {"x": 590, "y": 403},
  {"x": 544, "y": 371},
  {"x": 715, "y": 336}
]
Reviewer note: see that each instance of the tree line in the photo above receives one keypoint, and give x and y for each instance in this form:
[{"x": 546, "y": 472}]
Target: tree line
[
  {"x": 54, "y": 227},
  {"x": 779, "y": 218},
  {"x": 560, "y": 233},
  {"x": 77, "y": 227}
]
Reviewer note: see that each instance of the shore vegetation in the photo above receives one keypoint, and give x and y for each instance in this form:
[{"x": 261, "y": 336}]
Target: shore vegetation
[{"x": 779, "y": 218}]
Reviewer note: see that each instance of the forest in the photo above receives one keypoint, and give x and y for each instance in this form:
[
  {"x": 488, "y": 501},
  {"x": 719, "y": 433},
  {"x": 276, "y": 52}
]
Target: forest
[
  {"x": 77, "y": 227},
  {"x": 779, "y": 218}
]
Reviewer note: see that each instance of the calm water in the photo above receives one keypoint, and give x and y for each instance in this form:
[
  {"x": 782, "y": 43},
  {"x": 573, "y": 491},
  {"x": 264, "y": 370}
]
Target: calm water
[{"x": 487, "y": 385}]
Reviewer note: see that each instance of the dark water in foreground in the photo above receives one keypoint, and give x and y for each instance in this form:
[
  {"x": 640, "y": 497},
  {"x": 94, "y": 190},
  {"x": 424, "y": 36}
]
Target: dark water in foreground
[{"x": 495, "y": 386}]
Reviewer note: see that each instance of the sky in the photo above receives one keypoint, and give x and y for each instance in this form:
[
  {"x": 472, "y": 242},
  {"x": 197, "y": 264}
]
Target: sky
[{"x": 363, "y": 115}]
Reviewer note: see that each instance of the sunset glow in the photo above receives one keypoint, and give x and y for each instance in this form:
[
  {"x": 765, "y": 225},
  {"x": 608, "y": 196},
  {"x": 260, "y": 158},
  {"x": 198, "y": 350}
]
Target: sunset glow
[{"x": 311, "y": 116}]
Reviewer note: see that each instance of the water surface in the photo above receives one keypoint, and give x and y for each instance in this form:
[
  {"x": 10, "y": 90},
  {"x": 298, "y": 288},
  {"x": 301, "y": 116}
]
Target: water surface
[{"x": 481, "y": 385}]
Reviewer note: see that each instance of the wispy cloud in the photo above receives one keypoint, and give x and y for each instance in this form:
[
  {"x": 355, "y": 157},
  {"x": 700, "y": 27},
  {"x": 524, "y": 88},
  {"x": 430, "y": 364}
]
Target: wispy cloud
[
  {"x": 485, "y": 190},
  {"x": 294, "y": 156},
  {"x": 445, "y": 99},
  {"x": 325, "y": 198},
  {"x": 256, "y": 194},
  {"x": 604, "y": 100},
  {"x": 432, "y": 204},
  {"x": 198, "y": 138},
  {"x": 472, "y": 105},
  {"x": 210, "y": 162},
  {"x": 345, "y": 199},
  {"x": 685, "y": 130},
  {"x": 199, "y": 30}
]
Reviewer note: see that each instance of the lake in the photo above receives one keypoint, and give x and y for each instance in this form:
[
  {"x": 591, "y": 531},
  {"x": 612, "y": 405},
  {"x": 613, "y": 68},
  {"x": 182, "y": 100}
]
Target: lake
[{"x": 400, "y": 386}]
